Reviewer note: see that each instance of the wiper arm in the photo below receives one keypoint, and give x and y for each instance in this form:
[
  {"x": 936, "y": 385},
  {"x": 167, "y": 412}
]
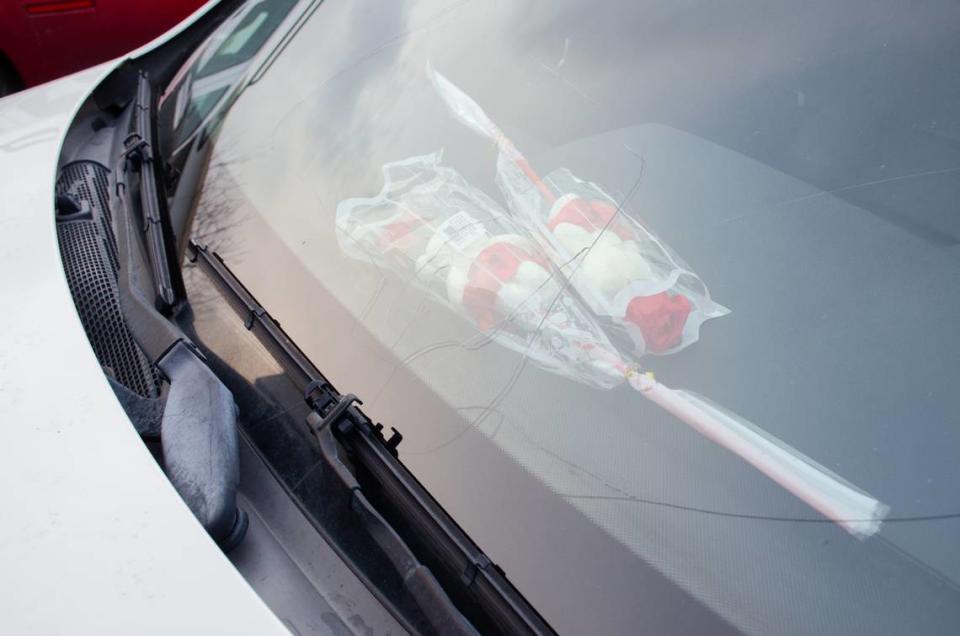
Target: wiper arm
[
  {"x": 139, "y": 159},
  {"x": 465, "y": 568},
  {"x": 198, "y": 426}
]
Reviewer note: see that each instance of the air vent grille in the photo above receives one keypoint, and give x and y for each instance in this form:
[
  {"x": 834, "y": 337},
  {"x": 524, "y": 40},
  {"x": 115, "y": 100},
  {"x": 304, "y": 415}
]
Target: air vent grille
[
  {"x": 89, "y": 252},
  {"x": 87, "y": 181}
]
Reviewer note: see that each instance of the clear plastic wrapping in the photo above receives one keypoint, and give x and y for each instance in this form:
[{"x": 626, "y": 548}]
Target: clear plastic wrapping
[
  {"x": 429, "y": 225},
  {"x": 624, "y": 272},
  {"x": 621, "y": 268},
  {"x": 570, "y": 282}
]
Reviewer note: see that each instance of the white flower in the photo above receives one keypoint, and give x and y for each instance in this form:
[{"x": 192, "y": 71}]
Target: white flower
[
  {"x": 610, "y": 264},
  {"x": 532, "y": 286}
]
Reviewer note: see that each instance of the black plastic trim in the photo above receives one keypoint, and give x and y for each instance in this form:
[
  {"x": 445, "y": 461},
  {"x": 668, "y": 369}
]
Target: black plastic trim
[{"x": 139, "y": 157}]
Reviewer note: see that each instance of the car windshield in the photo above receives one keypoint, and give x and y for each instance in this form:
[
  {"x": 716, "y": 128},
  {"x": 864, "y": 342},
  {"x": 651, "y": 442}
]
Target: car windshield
[
  {"x": 661, "y": 295},
  {"x": 218, "y": 66}
]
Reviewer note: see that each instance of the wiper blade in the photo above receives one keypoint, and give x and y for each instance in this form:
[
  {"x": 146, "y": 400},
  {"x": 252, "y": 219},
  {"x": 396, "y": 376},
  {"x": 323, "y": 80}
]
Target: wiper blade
[
  {"x": 336, "y": 415},
  {"x": 139, "y": 158}
]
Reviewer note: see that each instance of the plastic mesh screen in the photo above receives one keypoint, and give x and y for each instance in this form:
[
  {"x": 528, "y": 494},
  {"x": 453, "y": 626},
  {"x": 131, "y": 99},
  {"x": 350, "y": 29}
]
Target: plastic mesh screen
[
  {"x": 89, "y": 252},
  {"x": 87, "y": 181}
]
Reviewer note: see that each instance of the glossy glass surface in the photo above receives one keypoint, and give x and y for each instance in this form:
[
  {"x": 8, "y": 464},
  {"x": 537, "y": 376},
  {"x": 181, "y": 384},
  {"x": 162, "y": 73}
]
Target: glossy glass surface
[{"x": 802, "y": 158}]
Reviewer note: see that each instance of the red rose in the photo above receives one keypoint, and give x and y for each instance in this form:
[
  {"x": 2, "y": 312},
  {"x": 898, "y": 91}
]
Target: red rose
[
  {"x": 495, "y": 265},
  {"x": 591, "y": 216},
  {"x": 661, "y": 318},
  {"x": 481, "y": 305},
  {"x": 399, "y": 233}
]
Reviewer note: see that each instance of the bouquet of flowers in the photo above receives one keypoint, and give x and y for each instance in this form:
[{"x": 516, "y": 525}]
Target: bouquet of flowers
[
  {"x": 620, "y": 267},
  {"x": 534, "y": 281},
  {"x": 430, "y": 225}
]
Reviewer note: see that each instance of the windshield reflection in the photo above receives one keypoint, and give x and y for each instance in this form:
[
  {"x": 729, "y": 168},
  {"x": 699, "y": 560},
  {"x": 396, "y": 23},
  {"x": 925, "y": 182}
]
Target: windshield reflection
[{"x": 743, "y": 165}]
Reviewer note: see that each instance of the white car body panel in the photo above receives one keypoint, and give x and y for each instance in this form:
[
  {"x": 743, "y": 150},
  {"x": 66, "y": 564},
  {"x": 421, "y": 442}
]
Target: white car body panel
[{"x": 93, "y": 538}]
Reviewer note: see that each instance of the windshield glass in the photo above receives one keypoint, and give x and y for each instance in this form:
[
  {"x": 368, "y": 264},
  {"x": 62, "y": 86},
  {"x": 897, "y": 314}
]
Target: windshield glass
[
  {"x": 218, "y": 66},
  {"x": 661, "y": 295}
]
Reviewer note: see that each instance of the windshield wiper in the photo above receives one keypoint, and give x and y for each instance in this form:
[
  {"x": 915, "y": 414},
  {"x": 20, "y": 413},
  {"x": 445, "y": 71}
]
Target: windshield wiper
[
  {"x": 198, "y": 424},
  {"x": 139, "y": 159},
  {"x": 460, "y": 565}
]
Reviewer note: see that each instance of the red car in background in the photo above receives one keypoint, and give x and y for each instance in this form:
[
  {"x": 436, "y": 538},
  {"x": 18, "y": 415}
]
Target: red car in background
[{"x": 41, "y": 40}]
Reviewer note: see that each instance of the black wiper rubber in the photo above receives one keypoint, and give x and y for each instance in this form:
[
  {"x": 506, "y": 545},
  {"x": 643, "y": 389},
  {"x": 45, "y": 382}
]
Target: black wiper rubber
[
  {"x": 338, "y": 415},
  {"x": 138, "y": 154},
  {"x": 441, "y": 614}
]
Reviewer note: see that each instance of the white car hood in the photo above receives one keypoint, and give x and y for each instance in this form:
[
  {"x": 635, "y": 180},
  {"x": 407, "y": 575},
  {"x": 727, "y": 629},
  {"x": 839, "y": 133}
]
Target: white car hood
[{"x": 94, "y": 539}]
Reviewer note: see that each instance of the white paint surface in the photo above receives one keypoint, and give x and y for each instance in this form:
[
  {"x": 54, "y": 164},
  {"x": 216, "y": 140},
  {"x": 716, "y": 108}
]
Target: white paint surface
[{"x": 93, "y": 538}]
